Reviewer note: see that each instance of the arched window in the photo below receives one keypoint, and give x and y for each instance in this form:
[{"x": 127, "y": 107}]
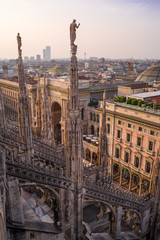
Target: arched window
[
  {"x": 145, "y": 186},
  {"x": 98, "y": 132},
  {"x": 94, "y": 116},
  {"x": 116, "y": 169},
  {"x": 94, "y": 157},
  {"x": 56, "y": 121},
  {"x": 117, "y": 153},
  {"x": 108, "y": 128},
  {"x": 92, "y": 129},
  {"x": 90, "y": 116},
  {"x": 126, "y": 156},
  {"x": 82, "y": 113},
  {"x": 98, "y": 118},
  {"x": 148, "y": 167},
  {"x": 136, "y": 161},
  {"x": 88, "y": 155}
]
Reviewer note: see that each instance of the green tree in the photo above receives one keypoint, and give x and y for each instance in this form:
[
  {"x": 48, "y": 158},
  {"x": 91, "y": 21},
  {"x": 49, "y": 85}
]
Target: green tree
[
  {"x": 129, "y": 100},
  {"x": 134, "y": 102}
]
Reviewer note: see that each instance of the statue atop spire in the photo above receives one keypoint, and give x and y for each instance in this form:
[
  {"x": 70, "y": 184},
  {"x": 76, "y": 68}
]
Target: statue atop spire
[
  {"x": 74, "y": 141},
  {"x": 19, "y": 44},
  {"x": 21, "y": 77},
  {"x": 73, "y": 27}
]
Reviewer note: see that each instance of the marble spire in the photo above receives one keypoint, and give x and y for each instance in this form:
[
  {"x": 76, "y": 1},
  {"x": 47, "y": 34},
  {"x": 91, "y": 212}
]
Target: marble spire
[{"x": 24, "y": 112}]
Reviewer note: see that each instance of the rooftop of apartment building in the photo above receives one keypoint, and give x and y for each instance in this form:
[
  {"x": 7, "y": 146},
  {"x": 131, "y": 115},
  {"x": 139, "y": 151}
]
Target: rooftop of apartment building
[
  {"x": 145, "y": 95},
  {"x": 145, "y": 115}
]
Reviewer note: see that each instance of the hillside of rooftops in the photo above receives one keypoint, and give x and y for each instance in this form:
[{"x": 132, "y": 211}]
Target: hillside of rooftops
[{"x": 145, "y": 105}]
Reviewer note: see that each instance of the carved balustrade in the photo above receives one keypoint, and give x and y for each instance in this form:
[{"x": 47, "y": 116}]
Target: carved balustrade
[{"x": 110, "y": 193}]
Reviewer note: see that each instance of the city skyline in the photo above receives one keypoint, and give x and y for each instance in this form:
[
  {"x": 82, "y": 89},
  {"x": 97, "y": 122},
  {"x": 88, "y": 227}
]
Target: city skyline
[{"x": 110, "y": 29}]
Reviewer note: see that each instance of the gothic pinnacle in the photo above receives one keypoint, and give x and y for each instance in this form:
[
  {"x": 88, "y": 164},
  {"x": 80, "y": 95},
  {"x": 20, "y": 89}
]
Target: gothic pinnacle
[{"x": 21, "y": 78}]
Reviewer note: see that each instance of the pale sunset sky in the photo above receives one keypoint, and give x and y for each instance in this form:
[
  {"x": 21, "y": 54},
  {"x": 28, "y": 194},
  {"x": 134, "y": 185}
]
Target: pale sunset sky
[{"x": 108, "y": 28}]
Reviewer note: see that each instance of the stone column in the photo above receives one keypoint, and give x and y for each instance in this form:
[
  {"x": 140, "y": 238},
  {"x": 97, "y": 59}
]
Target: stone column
[
  {"x": 62, "y": 139},
  {"x": 91, "y": 157},
  {"x": 140, "y": 186},
  {"x": 150, "y": 186},
  {"x": 142, "y": 141},
  {"x": 62, "y": 194},
  {"x": 17, "y": 217},
  {"x": 130, "y": 182},
  {"x": 145, "y": 221},
  {"x": 120, "y": 180},
  {"x": 2, "y": 195},
  {"x": 117, "y": 229}
]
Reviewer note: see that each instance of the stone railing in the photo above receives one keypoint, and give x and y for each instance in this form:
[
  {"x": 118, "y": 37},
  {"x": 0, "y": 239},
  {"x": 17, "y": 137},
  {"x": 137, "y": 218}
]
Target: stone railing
[
  {"x": 110, "y": 193},
  {"x": 37, "y": 171},
  {"x": 93, "y": 169},
  {"x": 53, "y": 154}
]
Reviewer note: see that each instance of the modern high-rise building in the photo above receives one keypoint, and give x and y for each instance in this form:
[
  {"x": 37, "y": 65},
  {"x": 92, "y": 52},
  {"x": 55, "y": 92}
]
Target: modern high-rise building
[
  {"x": 38, "y": 58},
  {"x": 32, "y": 59},
  {"x": 44, "y": 54},
  {"x": 26, "y": 59},
  {"x": 47, "y": 53}
]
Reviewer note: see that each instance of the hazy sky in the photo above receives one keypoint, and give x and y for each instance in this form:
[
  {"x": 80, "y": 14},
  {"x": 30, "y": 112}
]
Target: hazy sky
[{"x": 109, "y": 28}]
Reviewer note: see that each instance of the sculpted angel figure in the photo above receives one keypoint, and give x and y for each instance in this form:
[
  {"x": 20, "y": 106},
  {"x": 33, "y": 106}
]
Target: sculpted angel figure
[{"x": 73, "y": 27}]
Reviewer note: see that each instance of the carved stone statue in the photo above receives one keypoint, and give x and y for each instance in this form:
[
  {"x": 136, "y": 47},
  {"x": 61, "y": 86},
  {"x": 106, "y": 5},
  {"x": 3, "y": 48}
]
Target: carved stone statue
[
  {"x": 19, "y": 41},
  {"x": 73, "y": 27}
]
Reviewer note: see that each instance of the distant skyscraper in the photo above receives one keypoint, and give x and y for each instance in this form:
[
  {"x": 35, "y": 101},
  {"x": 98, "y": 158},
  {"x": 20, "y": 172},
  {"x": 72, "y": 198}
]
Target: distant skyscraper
[
  {"x": 26, "y": 59},
  {"x": 47, "y": 53},
  {"x": 32, "y": 59},
  {"x": 44, "y": 54},
  {"x": 38, "y": 58}
]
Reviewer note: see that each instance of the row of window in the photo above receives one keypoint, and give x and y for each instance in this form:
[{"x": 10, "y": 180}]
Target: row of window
[
  {"x": 136, "y": 159},
  {"x": 94, "y": 117},
  {"x": 139, "y": 140},
  {"x": 10, "y": 93},
  {"x": 94, "y": 132},
  {"x": 140, "y": 129}
]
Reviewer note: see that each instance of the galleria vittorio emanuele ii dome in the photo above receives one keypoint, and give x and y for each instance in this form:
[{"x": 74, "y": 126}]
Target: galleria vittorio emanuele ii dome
[{"x": 150, "y": 75}]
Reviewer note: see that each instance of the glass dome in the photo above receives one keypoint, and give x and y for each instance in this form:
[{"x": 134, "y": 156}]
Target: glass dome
[{"x": 150, "y": 75}]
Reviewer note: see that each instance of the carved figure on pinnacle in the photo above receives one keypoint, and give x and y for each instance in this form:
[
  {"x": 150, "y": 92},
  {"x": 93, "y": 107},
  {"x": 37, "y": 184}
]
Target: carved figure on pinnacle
[
  {"x": 19, "y": 43},
  {"x": 73, "y": 27}
]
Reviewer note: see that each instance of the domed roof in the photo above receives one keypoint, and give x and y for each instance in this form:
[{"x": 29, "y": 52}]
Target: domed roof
[
  {"x": 151, "y": 74},
  {"x": 57, "y": 69}
]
